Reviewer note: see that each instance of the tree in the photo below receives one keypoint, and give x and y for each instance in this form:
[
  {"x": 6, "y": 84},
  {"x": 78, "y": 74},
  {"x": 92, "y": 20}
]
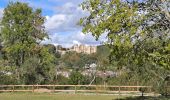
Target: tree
[
  {"x": 116, "y": 18},
  {"x": 157, "y": 22},
  {"x": 119, "y": 19},
  {"x": 137, "y": 32},
  {"x": 22, "y": 32}
]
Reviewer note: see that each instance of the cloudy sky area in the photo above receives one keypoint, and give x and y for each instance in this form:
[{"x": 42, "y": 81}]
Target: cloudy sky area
[{"x": 61, "y": 24}]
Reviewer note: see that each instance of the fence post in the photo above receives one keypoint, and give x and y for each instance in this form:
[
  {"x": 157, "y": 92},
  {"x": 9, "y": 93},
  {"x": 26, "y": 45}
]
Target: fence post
[
  {"x": 75, "y": 89},
  {"x": 150, "y": 88},
  {"x": 119, "y": 90},
  {"x": 13, "y": 88},
  {"x": 96, "y": 89},
  {"x": 137, "y": 88},
  {"x": 53, "y": 88},
  {"x": 32, "y": 88}
]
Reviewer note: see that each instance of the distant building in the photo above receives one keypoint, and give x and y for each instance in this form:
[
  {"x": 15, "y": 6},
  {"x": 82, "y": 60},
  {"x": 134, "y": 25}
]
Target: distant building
[
  {"x": 84, "y": 49},
  {"x": 77, "y": 48}
]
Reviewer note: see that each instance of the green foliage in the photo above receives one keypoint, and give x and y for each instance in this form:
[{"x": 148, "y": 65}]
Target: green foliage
[
  {"x": 62, "y": 80},
  {"x": 44, "y": 66},
  {"x": 76, "y": 78},
  {"x": 6, "y": 73},
  {"x": 138, "y": 36},
  {"x": 77, "y": 60},
  {"x": 102, "y": 57},
  {"x": 22, "y": 30},
  {"x": 116, "y": 18},
  {"x": 52, "y": 50},
  {"x": 21, "y": 33}
]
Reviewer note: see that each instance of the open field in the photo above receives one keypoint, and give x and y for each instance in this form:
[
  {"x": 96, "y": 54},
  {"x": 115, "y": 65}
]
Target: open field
[
  {"x": 52, "y": 96},
  {"x": 44, "y": 96}
]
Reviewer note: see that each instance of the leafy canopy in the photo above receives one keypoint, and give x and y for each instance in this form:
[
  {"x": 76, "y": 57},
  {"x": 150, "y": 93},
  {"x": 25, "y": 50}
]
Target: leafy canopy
[{"x": 137, "y": 35}]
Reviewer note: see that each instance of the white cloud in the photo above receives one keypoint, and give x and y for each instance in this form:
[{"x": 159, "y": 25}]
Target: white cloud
[
  {"x": 67, "y": 40},
  {"x": 55, "y": 22},
  {"x": 65, "y": 19},
  {"x": 63, "y": 26},
  {"x": 64, "y": 30},
  {"x": 68, "y": 8},
  {"x": 76, "y": 42}
]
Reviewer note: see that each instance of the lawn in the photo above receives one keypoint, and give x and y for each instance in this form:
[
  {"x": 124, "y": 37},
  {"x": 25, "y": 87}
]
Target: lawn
[
  {"x": 46, "y": 96},
  {"x": 31, "y": 96}
]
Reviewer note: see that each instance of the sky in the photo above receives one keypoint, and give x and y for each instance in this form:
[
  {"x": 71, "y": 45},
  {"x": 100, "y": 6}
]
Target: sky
[{"x": 62, "y": 17}]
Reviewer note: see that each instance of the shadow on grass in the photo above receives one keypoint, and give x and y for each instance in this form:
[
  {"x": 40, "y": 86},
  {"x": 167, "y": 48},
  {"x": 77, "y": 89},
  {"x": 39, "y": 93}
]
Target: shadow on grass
[{"x": 146, "y": 98}]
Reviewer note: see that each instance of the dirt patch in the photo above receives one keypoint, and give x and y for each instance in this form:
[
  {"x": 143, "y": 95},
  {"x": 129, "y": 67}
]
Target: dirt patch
[{"x": 42, "y": 90}]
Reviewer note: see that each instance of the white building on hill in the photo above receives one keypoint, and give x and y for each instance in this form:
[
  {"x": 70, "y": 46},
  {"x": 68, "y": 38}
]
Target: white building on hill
[{"x": 84, "y": 49}]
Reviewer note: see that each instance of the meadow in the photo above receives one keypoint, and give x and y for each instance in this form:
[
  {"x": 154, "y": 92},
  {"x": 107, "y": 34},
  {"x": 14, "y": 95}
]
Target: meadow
[
  {"x": 53, "y": 96},
  {"x": 44, "y": 96}
]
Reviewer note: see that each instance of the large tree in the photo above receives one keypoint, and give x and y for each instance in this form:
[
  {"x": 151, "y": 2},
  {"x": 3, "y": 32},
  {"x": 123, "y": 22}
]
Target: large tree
[
  {"x": 137, "y": 32},
  {"x": 22, "y": 32},
  {"x": 22, "y": 29}
]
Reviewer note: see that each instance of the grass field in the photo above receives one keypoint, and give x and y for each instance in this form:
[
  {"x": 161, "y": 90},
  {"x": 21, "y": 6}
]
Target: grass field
[
  {"x": 31, "y": 96},
  {"x": 46, "y": 96}
]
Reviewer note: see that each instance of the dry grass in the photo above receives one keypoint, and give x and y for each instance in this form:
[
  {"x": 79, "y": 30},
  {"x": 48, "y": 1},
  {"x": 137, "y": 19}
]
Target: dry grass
[{"x": 47, "y": 96}]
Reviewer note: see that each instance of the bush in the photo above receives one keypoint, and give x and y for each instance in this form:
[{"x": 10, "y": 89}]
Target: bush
[
  {"x": 61, "y": 80},
  {"x": 77, "y": 78}
]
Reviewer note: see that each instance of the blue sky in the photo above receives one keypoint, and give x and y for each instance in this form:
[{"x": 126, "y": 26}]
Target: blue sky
[{"x": 61, "y": 21}]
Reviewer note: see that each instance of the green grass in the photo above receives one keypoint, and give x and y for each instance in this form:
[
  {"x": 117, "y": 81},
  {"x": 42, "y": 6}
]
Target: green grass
[
  {"x": 44, "y": 96},
  {"x": 146, "y": 98}
]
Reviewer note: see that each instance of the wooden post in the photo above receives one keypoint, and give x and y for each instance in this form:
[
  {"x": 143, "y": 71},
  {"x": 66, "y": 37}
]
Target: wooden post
[
  {"x": 13, "y": 88},
  {"x": 75, "y": 89},
  {"x": 104, "y": 88},
  {"x": 37, "y": 86},
  {"x": 150, "y": 89},
  {"x": 53, "y": 88},
  {"x": 119, "y": 90},
  {"x": 137, "y": 86},
  {"x": 32, "y": 88},
  {"x": 96, "y": 89}
]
